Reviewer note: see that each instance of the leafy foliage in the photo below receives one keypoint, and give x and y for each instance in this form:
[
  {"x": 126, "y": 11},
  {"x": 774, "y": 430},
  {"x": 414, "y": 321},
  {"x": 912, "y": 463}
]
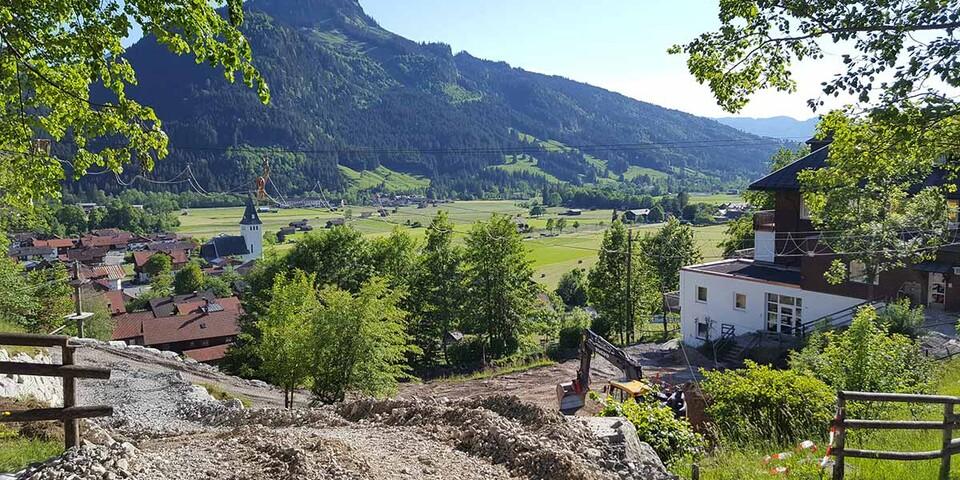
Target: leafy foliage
[
  {"x": 286, "y": 331},
  {"x": 866, "y": 357},
  {"x": 737, "y": 235},
  {"x": 669, "y": 249},
  {"x": 56, "y": 51},
  {"x": 608, "y": 291},
  {"x": 500, "y": 289},
  {"x": 360, "y": 342},
  {"x": 38, "y": 300},
  {"x": 189, "y": 279},
  {"x": 572, "y": 288},
  {"x": 671, "y": 437},
  {"x": 760, "y": 403}
]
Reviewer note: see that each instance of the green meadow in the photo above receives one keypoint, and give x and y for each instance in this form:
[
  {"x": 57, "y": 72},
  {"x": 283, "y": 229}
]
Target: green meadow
[{"x": 551, "y": 255}]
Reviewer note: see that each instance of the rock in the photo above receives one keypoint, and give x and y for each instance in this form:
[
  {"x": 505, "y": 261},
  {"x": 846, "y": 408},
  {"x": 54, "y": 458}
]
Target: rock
[
  {"x": 117, "y": 344},
  {"x": 170, "y": 355}
]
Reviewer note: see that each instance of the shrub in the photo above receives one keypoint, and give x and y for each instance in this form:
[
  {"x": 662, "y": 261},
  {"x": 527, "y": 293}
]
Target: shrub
[
  {"x": 900, "y": 318},
  {"x": 467, "y": 352},
  {"x": 671, "y": 437},
  {"x": 866, "y": 357},
  {"x": 762, "y": 403},
  {"x": 571, "y": 328}
]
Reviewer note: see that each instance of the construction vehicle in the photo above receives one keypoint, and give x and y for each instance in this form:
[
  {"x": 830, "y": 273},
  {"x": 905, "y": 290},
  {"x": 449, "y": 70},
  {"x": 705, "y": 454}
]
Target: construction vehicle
[{"x": 572, "y": 395}]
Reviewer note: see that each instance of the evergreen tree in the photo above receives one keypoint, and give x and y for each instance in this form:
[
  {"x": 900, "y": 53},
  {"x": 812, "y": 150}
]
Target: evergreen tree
[
  {"x": 500, "y": 290},
  {"x": 668, "y": 250},
  {"x": 436, "y": 290},
  {"x": 620, "y": 312}
]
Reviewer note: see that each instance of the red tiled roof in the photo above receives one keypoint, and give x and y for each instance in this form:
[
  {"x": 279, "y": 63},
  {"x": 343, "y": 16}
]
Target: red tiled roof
[
  {"x": 180, "y": 328},
  {"x": 110, "y": 272},
  {"x": 184, "y": 308},
  {"x": 106, "y": 241},
  {"x": 55, "y": 242},
  {"x": 208, "y": 354},
  {"x": 178, "y": 257},
  {"x": 115, "y": 302},
  {"x": 130, "y": 325}
]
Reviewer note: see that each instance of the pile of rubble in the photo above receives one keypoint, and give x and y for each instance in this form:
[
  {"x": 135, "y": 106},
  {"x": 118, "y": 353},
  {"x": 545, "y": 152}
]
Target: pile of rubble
[{"x": 177, "y": 431}]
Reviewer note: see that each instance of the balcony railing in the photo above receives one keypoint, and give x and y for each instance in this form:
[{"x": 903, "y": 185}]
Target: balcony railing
[{"x": 764, "y": 220}]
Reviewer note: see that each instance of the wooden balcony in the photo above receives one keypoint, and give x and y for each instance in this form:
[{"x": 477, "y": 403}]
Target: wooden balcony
[{"x": 764, "y": 220}]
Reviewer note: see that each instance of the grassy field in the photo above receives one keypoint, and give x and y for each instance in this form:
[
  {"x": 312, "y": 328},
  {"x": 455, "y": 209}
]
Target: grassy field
[{"x": 552, "y": 256}]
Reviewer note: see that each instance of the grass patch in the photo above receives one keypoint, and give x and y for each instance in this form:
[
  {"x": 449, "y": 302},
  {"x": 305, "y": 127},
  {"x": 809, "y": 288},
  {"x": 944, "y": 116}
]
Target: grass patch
[
  {"x": 393, "y": 182},
  {"x": 496, "y": 372},
  {"x": 223, "y": 395},
  {"x": 16, "y": 452}
]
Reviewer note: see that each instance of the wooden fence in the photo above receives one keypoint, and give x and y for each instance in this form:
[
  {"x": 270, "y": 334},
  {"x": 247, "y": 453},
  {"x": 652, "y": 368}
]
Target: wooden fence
[
  {"x": 949, "y": 423},
  {"x": 70, "y": 412}
]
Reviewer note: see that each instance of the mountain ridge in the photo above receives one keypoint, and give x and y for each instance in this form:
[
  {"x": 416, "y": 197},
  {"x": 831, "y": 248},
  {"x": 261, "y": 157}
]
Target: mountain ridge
[{"x": 347, "y": 92}]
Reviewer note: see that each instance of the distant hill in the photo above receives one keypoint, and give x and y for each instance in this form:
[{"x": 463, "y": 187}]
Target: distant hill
[
  {"x": 350, "y": 97},
  {"x": 783, "y": 127}
]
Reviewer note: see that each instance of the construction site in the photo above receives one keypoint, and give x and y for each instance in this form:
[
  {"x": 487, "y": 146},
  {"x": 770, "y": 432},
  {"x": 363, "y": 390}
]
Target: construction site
[{"x": 165, "y": 424}]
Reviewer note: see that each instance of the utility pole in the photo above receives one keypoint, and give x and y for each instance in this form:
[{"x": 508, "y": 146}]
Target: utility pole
[
  {"x": 629, "y": 322},
  {"x": 79, "y": 315}
]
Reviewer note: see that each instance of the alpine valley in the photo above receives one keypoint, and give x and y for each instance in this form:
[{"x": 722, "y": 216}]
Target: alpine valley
[{"x": 355, "y": 108}]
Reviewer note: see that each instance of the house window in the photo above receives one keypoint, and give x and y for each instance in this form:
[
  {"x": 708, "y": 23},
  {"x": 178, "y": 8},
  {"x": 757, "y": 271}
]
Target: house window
[
  {"x": 703, "y": 329},
  {"x": 953, "y": 211},
  {"x": 740, "y": 301},
  {"x": 702, "y": 294},
  {"x": 858, "y": 273},
  {"x": 784, "y": 314},
  {"x": 804, "y": 211}
]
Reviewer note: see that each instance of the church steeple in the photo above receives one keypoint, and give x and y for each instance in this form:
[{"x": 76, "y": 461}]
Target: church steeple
[{"x": 250, "y": 216}]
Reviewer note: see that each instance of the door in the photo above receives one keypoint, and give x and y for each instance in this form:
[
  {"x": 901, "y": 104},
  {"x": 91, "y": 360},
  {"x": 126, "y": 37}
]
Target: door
[
  {"x": 784, "y": 314},
  {"x": 936, "y": 291}
]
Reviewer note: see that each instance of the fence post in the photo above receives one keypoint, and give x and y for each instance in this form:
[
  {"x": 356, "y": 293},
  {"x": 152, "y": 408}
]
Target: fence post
[
  {"x": 71, "y": 432},
  {"x": 695, "y": 472},
  {"x": 948, "y": 419},
  {"x": 838, "y": 443}
]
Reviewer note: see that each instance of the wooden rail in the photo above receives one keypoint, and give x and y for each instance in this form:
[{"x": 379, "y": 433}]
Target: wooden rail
[
  {"x": 70, "y": 412},
  {"x": 841, "y": 424}
]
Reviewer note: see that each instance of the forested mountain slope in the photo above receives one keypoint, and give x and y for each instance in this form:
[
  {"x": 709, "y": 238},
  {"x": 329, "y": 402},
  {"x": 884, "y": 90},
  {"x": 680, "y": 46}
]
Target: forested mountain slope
[{"x": 347, "y": 92}]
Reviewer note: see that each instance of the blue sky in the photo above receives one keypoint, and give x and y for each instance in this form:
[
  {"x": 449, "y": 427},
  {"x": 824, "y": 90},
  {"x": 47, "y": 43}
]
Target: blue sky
[{"x": 616, "y": 44}]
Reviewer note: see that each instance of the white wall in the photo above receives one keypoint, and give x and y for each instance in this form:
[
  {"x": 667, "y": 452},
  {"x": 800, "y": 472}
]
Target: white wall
[
  {"x": 253, "y": 236},
  {"x": 719, "y": 307},
  {"x": 764, "y": 245}
]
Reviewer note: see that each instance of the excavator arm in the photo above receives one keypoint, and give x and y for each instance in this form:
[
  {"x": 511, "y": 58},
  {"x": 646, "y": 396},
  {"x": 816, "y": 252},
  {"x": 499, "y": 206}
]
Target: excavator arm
[{"x": 572, "y": 395}]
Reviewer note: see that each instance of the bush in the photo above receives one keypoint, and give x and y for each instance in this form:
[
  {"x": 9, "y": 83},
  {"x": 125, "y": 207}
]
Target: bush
[
  {"x": 571, "y": 328},
  {"x": 866, "y": 357},
  {"x": 671, "y": 437},
  {"x": 761, "y": 403},
  {"x": 467, "y": 352},
  {"x": 900, "y": 318}
]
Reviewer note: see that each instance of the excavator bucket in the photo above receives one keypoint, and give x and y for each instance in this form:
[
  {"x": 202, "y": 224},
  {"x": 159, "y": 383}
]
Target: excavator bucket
[{"x": 569, "y": 398}]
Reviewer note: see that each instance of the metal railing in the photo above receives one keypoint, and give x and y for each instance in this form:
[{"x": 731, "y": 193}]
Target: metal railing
[
  {"x": 838, "y": 319},
  {"x": 841, "y": 424},
  {"x": 70, "y": 372}
]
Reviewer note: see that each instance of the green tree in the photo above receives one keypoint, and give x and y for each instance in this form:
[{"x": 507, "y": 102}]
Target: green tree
[
  {"x": 537, "y": 211},
  {"x": 38, "y": 300},
  {"x": 436, "y": 290},
  {"x": 737, "y": 235},
  {"x": 158, "y": 264},
  {"x": 161, "y": 285},
  {"x": 286, "y": 333},
  {"x": 904, "y": 123},
  {"x": 394, "y": 255},
  {"x": 550, "y": 224},
  {"x": 189, "y": 279},
  {"x": 56, "y": 52},
  {"x": 338, "y": 256},
  {"x": 560, "y": 224},
  {"x": 576, "y": 225},
  {"x": 360, "y": 342},
  {"x": 656, "y": 214},
  {"x": 572, "y": 288},
  {"x": 500, "y": 292},
  {"x": 668, "y": 250},
  {"x": 72, "y": 218},
  {"x": 220, "y": 287},
  {"x": 621, "y": 302},
  {"x": 866, "y": 358}
]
